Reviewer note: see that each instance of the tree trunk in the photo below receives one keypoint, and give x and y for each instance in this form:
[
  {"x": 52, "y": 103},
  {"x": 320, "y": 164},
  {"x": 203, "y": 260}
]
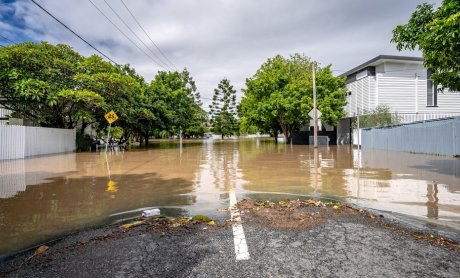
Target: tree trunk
[
  {"x": 146, "y": 139},
  {"x": 222, "y": 136},
  {"x": 141, "y": 140},
  {"x": 276, "y": 137}
]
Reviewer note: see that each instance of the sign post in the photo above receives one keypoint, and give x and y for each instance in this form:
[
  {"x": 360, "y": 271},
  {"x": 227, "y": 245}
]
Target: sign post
[
  {"x": 315, "y": 110},
  {"x": 315, "y": 113},
  {"x": 110, "y": 117}
]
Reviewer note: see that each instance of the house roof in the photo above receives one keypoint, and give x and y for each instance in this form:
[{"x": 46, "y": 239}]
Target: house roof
[{"x": 381, "y": 59}]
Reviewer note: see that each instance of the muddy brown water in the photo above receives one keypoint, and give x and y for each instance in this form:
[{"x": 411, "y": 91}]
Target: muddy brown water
[{"x": 44, "y": 197}]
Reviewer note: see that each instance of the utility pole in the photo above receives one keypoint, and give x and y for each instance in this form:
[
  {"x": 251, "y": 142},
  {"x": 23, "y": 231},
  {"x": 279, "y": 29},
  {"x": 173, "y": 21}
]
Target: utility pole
[{"x": 315, "y": 110}]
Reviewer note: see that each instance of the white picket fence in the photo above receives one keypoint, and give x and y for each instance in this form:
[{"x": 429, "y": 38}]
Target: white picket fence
[{"x": 23, "y": 141}]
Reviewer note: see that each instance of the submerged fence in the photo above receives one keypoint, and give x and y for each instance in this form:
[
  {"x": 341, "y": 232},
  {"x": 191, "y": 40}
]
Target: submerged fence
[
  {"x": 23, "y": 141},
  {"x": 441, "y": 136}
]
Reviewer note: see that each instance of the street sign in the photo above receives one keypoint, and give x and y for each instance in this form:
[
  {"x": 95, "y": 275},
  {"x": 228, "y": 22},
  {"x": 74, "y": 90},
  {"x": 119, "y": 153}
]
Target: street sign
[
  {"x": 312, "y": 113},
  {"x": 312, "y": 123},
  {"x": 111, "y": 117}
]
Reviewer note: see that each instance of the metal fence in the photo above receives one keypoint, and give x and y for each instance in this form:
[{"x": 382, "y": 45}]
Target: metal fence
[
  {"x": 23, "y": 141},
  {"x": 440, "y": 136},
  {"x": 414, "y": 117}
]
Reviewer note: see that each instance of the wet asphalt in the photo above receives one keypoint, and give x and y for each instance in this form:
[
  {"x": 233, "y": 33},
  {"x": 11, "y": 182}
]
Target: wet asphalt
[{"x": 340, "y": 247}]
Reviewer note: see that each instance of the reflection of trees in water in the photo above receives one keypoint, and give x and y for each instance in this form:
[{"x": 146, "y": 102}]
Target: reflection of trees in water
[
  {"x": 283, "y": 168},
  {"x": 65, "y": 204},
  {"x": 220, "y": 165}
]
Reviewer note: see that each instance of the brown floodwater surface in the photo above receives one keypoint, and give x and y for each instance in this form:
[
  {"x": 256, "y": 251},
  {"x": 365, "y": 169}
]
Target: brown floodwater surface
[{"x": 42, "y": 198}]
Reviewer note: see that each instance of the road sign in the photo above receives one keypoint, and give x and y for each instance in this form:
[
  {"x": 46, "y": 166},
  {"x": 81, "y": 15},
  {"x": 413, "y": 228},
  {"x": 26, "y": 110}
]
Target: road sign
[
  {"x": 312, "y": 123},
  {"x": 312, "y": 113},
  {"x": 111, "y": 117}
]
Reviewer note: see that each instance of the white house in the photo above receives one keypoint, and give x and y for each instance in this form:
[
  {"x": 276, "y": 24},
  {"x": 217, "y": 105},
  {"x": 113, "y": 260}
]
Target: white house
[
  {"x": 4, "y": 115},
  {"x": 403, "y": 84}
]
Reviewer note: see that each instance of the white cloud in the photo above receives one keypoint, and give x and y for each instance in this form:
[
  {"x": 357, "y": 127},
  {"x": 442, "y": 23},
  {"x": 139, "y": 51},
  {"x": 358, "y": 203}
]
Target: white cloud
[{"x": 216, "y": 39}]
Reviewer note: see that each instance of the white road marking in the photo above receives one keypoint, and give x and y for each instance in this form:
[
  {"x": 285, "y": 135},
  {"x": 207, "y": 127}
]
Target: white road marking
[{"x": 241, "y": 248}]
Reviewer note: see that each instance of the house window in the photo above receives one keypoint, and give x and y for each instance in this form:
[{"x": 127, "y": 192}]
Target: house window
[
  {"x": 361, "y": 74},
  {"x": 431, "y": 90}
]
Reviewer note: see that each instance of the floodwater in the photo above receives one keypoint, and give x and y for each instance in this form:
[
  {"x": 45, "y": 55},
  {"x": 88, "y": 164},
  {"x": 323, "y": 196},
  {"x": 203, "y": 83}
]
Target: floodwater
[{"x": 45, "y": 197}]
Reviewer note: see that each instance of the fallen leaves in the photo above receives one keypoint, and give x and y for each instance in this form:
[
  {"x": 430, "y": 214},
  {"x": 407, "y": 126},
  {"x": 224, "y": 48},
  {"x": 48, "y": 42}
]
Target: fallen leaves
[
  {"x": 42, "y": 249},
  {"x": 132, "y": 224}
]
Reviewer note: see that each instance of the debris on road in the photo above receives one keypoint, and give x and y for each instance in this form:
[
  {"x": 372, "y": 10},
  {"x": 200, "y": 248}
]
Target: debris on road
[
  {"x": 301, "y": 214},
  {"x": 150, "y": 212}
]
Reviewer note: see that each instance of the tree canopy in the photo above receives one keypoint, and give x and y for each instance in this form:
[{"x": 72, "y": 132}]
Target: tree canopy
[
  {"x": 437, "y": 34},
  {"x": 280, "y": 95},
  {"x": 37, "y": 83},
  {"x": 54, "y": 86}
]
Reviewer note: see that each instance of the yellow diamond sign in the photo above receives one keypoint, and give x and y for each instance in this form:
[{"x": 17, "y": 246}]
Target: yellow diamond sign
[{"x": 111, "y": 117}]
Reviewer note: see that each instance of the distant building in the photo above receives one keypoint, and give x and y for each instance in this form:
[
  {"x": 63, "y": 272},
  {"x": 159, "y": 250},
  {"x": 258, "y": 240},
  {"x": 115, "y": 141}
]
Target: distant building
[
  {"x": 403, "y": 84},
  {"x": 4, "y": 115}
]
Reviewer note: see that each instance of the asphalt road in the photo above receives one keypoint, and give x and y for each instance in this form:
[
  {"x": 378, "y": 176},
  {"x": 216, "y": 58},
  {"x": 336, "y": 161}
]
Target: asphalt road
[{"x": 339, "y": 247}]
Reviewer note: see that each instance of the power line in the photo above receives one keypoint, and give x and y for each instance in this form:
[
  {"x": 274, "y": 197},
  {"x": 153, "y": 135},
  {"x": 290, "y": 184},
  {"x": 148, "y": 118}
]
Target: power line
[
  {"x": 13, "y": 42},
  {"x": 134, "y": 33},
  {"x": 73, "y": 32},
  {"x": 145, "y": 32},
  {"x": 135, "y": 44}
]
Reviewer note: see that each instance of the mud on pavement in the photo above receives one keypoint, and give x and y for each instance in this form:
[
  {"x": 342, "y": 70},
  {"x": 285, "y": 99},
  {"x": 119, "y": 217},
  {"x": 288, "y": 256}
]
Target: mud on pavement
[
  {"x": 286, "y": 238},
  {"x": 306, "y": 214}
]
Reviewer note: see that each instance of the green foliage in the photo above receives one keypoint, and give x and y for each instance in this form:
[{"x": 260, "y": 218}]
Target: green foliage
[
  {"x": 379, "y": 116},
  {"x": 175, "y": 101},
  {"x": 201, "y": 218},
  {"x": 54, "y": 86},
  {"x": 246, "y": 127},
  {"x": 280, "y": 95},
  {"x": 437, "y": 34},
  {"x": 37, "y": 82},
  {"x": 116, "y": 132},
  {"x": 223, "y": 109}
]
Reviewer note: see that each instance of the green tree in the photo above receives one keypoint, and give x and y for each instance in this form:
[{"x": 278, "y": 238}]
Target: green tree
[
  {"x": 379, "y": 116},
  {"x": 37, "y": 83},
  {"x": 246, "y": 127},
  {"x": 280, "y": 95},
  {"x": 123, "y": 91},
  {"x": 223, "y": 109},
  {"x": 176, "y": 102},
  {"x": 437, "y": 34}
]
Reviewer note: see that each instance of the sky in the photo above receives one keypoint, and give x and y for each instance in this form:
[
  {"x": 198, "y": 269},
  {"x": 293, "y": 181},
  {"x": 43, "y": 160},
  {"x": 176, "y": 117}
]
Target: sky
[{"x": 214, "y": 39}]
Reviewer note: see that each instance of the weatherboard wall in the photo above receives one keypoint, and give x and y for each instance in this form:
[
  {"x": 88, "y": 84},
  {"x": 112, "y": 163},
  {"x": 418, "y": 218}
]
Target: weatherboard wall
[
  {"x": 403, "y": 88},
  {"x": 24, "y": 141}
]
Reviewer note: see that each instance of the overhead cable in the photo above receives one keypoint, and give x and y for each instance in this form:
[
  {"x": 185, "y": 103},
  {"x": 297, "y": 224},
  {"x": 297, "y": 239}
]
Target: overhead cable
[
  {"x": 134, "y": 33},
  {"x": 73, "y": 32},
  {"x": 126, "y": 36},
  {"x": 145, "y": 32},
  {"x": 11, "y": 41}
]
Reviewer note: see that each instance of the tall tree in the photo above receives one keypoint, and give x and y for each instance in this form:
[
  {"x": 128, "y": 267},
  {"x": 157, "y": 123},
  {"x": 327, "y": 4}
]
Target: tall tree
[
  {"x": 223, "y": 109},
  {"x": 37, "y": 83},
  {"x": 280, "y": 95},
  {"x": 177, "y": 103},
  {"x": 437, "y": 34},
  {"x": 122, "y": 89}
]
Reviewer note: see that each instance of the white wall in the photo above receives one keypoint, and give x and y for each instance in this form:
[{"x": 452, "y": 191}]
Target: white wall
[
  {"x": 3, "y": 113},
  {"x": 362, "y": 96},
  {"x": 403, "y": 88},
  {"x": 23, "y": 141}
]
